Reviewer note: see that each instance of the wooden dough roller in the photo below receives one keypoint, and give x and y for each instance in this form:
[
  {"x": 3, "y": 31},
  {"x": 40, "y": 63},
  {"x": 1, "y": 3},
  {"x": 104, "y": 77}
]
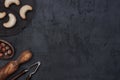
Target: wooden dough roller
[{"x": 12, "y": 66}]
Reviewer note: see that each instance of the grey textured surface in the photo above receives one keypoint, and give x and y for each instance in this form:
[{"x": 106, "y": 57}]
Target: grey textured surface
[{"x": 73, "y": 39}]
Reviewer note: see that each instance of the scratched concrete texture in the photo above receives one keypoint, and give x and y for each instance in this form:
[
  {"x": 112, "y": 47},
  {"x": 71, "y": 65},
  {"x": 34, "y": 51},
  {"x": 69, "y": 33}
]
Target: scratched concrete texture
[{"x": 73, "y": 39}]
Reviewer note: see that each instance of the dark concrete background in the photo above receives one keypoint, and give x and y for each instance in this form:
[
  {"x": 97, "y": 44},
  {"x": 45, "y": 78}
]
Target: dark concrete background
[{"x": 73, "y": 39}]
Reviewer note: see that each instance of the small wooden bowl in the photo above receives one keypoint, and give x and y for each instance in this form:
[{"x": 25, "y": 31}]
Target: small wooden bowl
[{"x": 6, "y": 50}]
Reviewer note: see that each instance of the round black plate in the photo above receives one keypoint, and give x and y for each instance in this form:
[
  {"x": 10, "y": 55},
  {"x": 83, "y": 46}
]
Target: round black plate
[{"x": 21, "y": 24}]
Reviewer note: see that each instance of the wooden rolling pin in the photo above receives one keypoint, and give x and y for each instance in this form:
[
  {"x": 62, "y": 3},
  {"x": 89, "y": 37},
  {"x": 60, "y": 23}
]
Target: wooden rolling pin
[{"x": 12, "y": 66}]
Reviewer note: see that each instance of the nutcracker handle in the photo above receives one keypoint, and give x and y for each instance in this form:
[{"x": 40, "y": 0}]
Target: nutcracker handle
[
  {"x": 20, "y": 74},
  {"x": 28, "y": 77}
]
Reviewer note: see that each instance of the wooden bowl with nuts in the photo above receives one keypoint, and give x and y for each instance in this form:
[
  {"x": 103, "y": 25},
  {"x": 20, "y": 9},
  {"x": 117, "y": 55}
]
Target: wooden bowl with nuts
[{"x": 6, "y": 50}]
